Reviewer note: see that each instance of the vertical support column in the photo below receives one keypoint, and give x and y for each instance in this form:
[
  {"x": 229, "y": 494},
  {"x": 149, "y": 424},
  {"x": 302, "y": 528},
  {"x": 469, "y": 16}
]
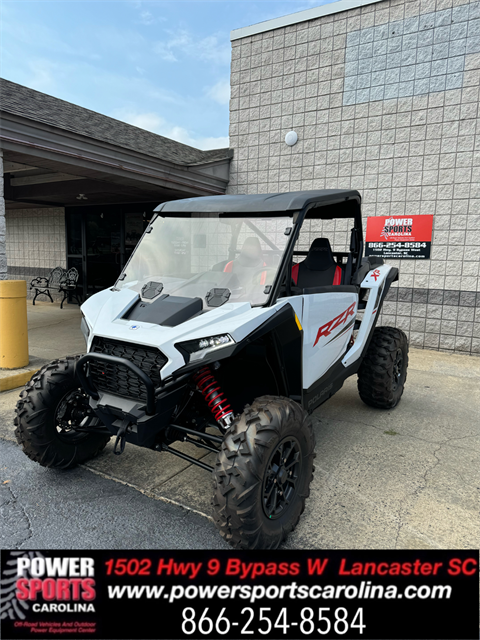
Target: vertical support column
[{"x": 3, "y": 232}]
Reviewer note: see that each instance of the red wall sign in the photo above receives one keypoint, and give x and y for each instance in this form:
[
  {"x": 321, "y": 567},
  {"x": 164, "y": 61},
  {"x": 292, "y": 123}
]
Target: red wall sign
[{"x": 399, "y": 236}]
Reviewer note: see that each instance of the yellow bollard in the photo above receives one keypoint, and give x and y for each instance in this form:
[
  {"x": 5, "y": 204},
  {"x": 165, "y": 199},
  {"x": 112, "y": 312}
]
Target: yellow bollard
[{"x": 13, "y": 324}]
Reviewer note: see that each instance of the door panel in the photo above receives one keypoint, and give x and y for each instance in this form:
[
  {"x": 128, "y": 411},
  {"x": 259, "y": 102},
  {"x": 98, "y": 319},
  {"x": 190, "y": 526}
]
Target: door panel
[
  {"x": 327, "y": 320},
  {"x": 104, "y": 259},
  {"x": 75, "y": 249}
]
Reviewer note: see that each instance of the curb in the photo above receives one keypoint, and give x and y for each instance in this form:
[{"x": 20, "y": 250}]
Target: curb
[{"x": 18, "y": 380}]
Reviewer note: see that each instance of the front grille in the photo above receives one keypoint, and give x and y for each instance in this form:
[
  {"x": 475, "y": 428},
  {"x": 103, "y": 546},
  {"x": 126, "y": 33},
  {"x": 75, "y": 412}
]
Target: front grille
[{"x": 118, "y": 379}]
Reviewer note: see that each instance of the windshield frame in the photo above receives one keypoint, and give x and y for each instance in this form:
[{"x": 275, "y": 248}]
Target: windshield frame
[{"x": 289, "y": 216}]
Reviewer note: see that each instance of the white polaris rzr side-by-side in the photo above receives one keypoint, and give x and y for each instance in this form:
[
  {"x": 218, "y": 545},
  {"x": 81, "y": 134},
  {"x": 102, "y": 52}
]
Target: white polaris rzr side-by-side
[{"x": 224, "y": 332}]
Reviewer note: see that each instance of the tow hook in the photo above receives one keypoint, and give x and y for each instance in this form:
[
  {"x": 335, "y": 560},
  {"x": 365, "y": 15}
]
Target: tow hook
[{"x": 123, "y": 430}]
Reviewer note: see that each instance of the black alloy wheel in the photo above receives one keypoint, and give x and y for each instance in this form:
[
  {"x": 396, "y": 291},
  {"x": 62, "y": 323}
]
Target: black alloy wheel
[
  {"x": 263, "y": 472},
  {"x": 69, "y": 415},
  {"x": 383, "y": 372},
  {"x": 281, "y": 478},
  {"x": 397, "y": 369},
  {"x": 54, "y": 423}
]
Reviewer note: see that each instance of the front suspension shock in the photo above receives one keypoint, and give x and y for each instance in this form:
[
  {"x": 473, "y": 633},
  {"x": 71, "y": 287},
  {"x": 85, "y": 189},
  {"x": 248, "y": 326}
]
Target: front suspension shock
[{"x": 214, "y": 396}]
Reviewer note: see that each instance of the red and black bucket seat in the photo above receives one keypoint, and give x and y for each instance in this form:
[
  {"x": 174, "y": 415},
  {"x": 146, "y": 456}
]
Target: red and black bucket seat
[
  {"x": 319, "y": 268},
  {"x": 249, "y": 261}
]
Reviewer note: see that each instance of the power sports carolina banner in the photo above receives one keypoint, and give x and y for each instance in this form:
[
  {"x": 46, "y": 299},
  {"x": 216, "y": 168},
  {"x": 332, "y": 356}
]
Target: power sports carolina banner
[
  {"x": 137, "y": 594},
  {"x": 399, "y": 237}
]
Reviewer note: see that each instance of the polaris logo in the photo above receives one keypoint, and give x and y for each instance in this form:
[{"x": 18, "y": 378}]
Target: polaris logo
[
  {"x": 316, "y": 398},
  {"x": 134, "y": 326}
]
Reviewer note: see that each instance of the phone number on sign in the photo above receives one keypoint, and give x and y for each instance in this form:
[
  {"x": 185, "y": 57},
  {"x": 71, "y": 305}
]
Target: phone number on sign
[
  {"x": 398, "y": 245},
  {"x": 264, "y": 621}
]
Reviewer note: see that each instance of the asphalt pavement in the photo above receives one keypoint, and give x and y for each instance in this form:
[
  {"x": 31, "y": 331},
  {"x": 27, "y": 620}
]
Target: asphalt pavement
[
  {"x": 406, "y": 478},
  {"x": 75, "y": 509}
]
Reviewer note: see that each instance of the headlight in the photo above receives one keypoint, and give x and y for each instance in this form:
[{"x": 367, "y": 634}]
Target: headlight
[
  {"x": 85, "y": 329},
  {"x": 198, "y": 349}
]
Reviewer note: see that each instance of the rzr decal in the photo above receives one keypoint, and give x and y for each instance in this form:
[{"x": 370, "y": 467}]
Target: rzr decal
[
  {"x": 344, "y": 330},
  {"x": 376, "y": 274},
  {"x": 327, "y": 328}
]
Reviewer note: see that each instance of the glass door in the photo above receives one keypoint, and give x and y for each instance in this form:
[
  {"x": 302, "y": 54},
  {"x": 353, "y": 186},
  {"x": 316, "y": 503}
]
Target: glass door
[
  {"x": 103, "y": 239},
  {"x": 100, "y": 240},
  {"x": 75, "y": 244}
]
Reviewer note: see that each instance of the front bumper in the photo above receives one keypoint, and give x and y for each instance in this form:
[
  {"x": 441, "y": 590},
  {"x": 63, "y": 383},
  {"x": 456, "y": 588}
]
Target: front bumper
[
  {"x": 103, "y": 357},
  {"x": 147, "y": 418}
]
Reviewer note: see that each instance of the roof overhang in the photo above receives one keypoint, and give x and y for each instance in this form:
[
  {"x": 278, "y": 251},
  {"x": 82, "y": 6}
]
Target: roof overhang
[{"x": 99, "y": 167}]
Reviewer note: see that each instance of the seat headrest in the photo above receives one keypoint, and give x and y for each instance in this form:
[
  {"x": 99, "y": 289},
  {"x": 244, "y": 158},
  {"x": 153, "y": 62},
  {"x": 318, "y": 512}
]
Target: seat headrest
[
  {"x": 251, "y": 253},
  {"x": 319, "y": 257}
]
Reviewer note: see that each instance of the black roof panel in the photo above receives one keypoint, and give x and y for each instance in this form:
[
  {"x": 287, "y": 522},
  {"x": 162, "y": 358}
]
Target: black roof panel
[{"x": 258, "y": 203}]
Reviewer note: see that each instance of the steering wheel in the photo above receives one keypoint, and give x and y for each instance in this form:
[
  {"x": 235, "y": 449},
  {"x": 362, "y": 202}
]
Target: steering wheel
[{"x": 263, "y": 274}]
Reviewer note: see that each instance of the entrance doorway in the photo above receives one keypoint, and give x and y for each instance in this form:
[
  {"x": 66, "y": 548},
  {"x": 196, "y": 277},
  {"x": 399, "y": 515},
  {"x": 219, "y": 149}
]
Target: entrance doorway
[{"x": 100, "y": 240}]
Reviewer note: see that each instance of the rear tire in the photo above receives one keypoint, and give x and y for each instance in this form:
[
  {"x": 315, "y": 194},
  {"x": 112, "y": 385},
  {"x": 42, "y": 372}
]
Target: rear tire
[
  {"x": 383, "y": 372},
  {"x": 258, "y": 497},
  {"x": 50, "y": 406}
]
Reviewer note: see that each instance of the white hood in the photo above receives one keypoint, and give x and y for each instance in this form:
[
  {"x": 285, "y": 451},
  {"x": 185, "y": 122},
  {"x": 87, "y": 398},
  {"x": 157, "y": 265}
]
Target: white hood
[{"x": 105, "y": 310}]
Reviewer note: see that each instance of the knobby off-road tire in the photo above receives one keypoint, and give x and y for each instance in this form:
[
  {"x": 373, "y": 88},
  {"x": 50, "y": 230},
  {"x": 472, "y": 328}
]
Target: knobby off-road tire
[
  {"x": 244, "y": 477},
  {"x": 48, "y": 395},
  {"x": 382, "y": 374}
]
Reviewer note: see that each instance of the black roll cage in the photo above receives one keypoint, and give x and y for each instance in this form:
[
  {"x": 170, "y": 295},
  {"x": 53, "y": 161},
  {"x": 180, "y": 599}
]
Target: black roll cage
[{"x": 299, "y": 217}]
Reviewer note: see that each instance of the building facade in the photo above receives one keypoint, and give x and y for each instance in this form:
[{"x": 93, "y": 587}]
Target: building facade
[{"x": 384, "y": 98}]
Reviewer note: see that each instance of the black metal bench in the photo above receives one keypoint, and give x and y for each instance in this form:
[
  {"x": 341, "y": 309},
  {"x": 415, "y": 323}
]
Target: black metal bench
[{"x": 59, "y": 281}]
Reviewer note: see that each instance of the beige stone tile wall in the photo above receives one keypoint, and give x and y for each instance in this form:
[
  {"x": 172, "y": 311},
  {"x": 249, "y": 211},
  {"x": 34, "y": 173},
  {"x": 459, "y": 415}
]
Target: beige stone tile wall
[
  {"x": 415, "y": 154},
  {"x": 35, "y": 242}
]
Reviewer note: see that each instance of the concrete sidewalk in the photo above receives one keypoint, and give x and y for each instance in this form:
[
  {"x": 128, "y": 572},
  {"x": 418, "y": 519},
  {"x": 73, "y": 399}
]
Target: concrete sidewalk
[
  {"x": 52, "y": 333},
  {"x": 406, "y": 478}
]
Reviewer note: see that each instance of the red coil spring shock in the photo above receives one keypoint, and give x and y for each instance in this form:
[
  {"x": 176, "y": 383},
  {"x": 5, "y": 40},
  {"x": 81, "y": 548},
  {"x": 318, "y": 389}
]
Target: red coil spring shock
[{"x": 214, "y": 396}]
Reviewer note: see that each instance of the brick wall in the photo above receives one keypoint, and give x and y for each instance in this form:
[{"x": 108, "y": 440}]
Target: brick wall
[
  {"x": 35, "y": 242},
  {"x": 384, "y": 99}
]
